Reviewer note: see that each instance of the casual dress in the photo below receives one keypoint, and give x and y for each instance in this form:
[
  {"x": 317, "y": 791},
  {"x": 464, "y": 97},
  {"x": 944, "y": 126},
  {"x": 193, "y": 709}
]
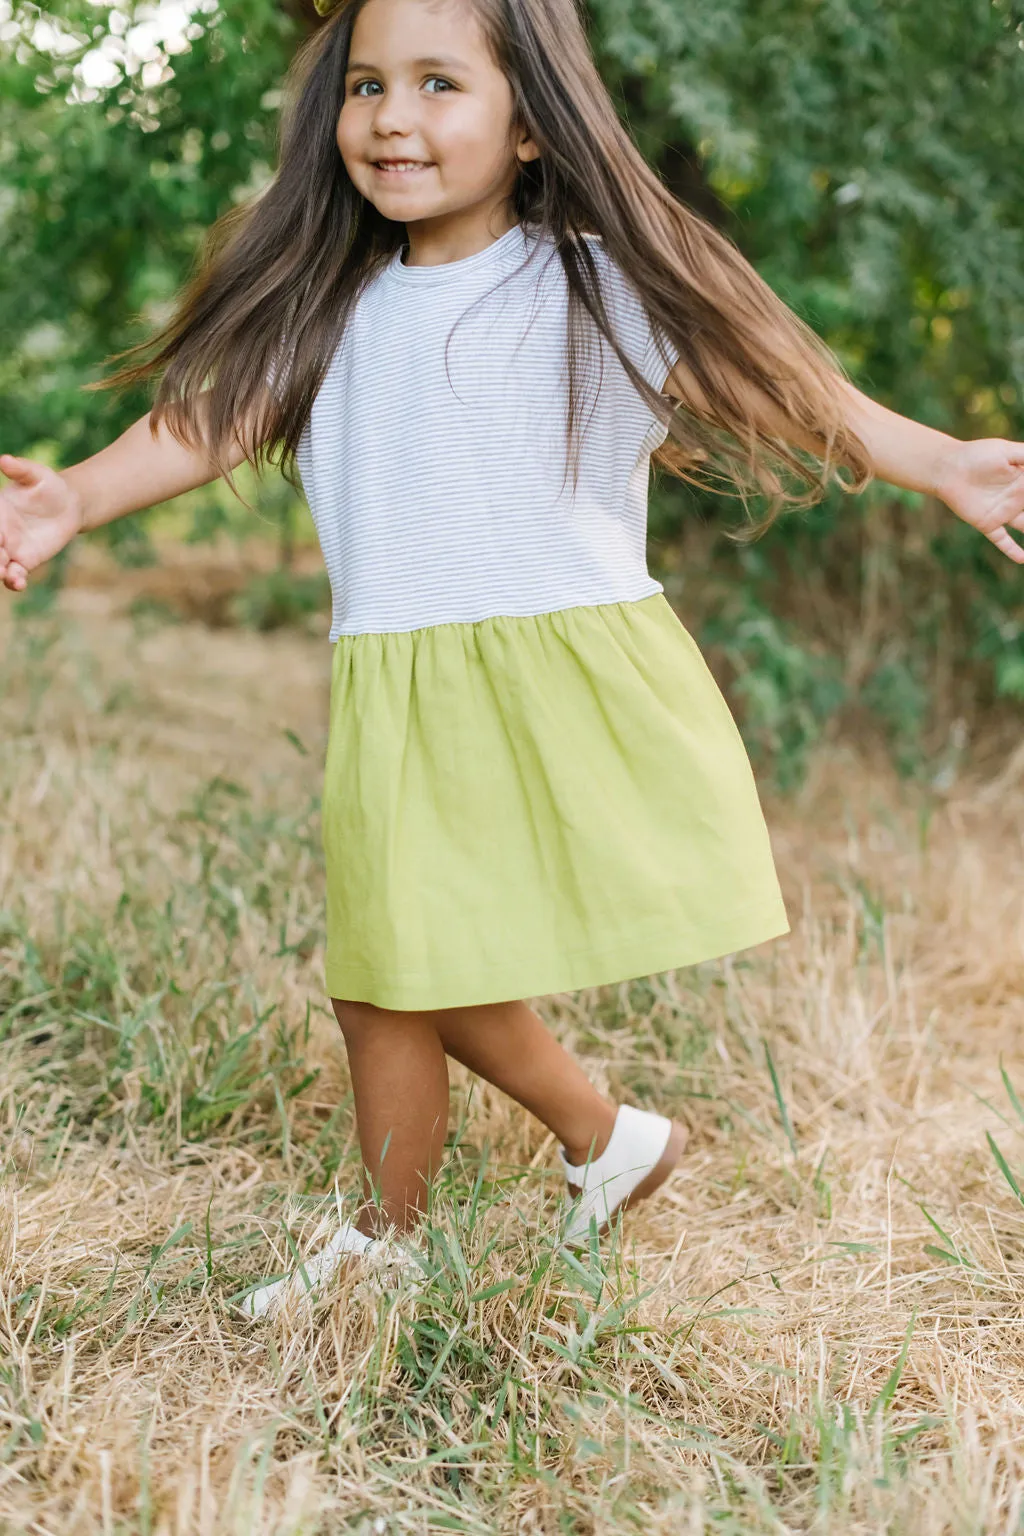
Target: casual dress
[{"x": 533, "y": 783}]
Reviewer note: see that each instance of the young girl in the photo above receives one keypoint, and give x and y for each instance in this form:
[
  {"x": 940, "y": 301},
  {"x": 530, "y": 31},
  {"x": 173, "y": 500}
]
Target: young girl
[{"x": 471, "y": 313}]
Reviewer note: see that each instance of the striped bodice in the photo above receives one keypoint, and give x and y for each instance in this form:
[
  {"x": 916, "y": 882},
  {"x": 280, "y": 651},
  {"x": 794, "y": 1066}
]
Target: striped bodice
[{"x": 434, "y": 460}]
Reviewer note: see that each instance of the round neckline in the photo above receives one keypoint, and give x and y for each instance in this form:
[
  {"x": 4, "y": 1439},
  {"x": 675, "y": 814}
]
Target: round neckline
[{"x": 513, "y": 240}]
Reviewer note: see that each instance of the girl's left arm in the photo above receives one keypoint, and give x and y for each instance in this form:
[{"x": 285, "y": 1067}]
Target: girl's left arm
[{"x": 981, "y": 481}]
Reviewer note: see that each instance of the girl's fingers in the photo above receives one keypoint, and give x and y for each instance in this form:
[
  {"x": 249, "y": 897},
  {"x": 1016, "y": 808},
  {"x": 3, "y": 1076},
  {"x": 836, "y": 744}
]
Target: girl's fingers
[
  {"x": 15, "y": 577},
  {"x": 21, "y": 471},
  {"x": 1004, "y": 541}
]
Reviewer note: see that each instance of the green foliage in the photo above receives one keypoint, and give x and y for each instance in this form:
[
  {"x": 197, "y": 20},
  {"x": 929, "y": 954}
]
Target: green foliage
[
  {"x": 105, "y": 192},
  {"x": 788, "y": 691},
  {"x": 868, "y": 159},
  {"x": 282, "y": 599}
]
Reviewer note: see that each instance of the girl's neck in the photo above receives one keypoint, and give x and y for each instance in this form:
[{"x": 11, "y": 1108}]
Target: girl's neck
[{"x": 437, "y": 242}]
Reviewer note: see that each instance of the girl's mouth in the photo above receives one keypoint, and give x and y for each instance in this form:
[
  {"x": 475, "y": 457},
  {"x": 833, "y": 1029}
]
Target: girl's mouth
[{"x": 401, "y": 167}]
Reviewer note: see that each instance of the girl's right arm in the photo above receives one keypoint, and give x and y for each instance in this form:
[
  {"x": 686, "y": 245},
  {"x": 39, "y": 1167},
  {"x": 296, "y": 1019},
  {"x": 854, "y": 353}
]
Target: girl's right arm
[{"x": 42, "y": 509}]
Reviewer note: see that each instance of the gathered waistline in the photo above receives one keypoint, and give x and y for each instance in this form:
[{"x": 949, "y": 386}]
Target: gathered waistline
[{"x": 657, "y": 590}]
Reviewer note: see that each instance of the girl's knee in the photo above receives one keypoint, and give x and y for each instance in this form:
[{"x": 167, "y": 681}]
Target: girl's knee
[
  {"x": 363, "y": 1021},
  {"x": 357, "y": 1020}
]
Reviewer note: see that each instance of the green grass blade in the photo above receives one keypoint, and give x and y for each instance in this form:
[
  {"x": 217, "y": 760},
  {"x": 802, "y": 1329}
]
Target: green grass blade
[{"x": 787, "y": 1124}]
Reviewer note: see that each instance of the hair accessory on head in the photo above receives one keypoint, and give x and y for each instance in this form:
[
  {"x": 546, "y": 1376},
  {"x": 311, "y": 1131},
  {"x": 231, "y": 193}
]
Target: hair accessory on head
[{"x": 325, "y": 7}]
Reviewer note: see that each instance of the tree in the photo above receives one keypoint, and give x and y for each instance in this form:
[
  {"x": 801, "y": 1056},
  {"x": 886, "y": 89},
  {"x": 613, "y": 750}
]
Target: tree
[
  {"x": 867, "y": 157},
  {"x": 107, "y": 189}
]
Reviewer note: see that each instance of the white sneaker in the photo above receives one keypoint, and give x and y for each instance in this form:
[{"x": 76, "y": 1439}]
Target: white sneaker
[
  {"x": 382, "y": 1256},
  {"x": 641, "y": 1153}
]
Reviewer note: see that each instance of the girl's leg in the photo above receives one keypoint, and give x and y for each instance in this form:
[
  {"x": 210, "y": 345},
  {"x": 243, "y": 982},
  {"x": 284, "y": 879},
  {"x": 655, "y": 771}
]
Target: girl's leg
[
  {"x": 400, "y": 1084},
  {"x": 509, "y": 1046}
]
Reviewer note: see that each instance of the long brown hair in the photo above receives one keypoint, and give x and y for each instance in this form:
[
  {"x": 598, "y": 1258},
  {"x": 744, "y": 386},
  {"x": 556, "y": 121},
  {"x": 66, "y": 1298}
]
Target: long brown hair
[{"x": 762, "y": 411}]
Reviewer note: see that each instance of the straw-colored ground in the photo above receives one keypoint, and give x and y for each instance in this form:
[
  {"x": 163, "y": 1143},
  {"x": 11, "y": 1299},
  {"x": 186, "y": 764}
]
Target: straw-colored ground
[{"x": 817, "y": 1326}]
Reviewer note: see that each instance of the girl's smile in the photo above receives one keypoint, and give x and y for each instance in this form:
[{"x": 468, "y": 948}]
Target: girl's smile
[{"x": 401, "y": 168}]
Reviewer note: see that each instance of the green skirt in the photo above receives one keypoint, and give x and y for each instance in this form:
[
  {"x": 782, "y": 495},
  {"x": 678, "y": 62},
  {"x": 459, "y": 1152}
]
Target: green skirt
[{"x": 523, "y": 806}]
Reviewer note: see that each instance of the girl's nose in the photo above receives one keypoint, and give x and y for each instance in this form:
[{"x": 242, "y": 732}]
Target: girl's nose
[{"x": 394, "y": 113}]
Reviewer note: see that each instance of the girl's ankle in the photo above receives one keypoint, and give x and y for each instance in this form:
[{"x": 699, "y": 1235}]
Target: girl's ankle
[
  {"x": 579, "y": 1155},
  {"x": 374, "y": 1222}
]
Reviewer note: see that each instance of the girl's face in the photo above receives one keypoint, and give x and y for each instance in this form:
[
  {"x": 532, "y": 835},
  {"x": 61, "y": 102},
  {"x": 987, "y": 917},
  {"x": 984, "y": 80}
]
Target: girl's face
[{"x": 426, "y": 129}]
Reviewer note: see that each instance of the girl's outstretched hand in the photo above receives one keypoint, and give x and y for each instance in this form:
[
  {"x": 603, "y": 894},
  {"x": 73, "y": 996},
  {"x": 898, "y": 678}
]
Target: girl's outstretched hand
[
  {"x": 983, "y": 483},
  {"x": 39, "y": 514}
]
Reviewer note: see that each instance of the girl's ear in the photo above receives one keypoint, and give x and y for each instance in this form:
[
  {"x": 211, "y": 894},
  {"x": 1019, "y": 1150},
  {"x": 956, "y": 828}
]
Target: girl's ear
[{"x": 526, "y": 149}]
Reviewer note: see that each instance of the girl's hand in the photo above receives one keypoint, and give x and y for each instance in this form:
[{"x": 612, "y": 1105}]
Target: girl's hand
[
  {"x": 39, "y": 514},
  {"x": 983, "y": 483}
]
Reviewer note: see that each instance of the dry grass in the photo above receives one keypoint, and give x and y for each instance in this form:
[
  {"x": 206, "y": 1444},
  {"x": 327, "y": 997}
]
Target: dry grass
[{"x": 816, "y": 1327}]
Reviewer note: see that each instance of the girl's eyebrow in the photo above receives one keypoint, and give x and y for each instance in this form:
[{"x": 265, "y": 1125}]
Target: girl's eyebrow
[{"x": 434, "y": 62}]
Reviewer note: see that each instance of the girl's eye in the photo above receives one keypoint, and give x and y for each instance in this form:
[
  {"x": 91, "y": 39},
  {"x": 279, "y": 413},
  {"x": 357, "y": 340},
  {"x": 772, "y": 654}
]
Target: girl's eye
[{"x": 357, "y": 89}]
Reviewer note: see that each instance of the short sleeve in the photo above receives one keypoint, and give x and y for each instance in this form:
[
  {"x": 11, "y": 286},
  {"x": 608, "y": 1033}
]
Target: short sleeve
[
  {"x": 645, "y": 343},
  {"x": 662, "y": 356}
]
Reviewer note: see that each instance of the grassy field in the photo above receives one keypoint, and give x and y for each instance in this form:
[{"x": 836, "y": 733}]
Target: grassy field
[{"x": 816, "y": 1326}]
